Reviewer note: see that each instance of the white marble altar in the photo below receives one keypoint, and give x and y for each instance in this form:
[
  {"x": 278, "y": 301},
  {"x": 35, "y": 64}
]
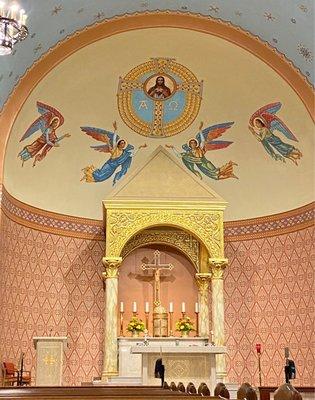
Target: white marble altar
[
  {"x": 49, "y": 360},
  {"x": 130, "y": 364},
  {"x": 185, "y": 360},
  {"x": 182, "y": 363}
]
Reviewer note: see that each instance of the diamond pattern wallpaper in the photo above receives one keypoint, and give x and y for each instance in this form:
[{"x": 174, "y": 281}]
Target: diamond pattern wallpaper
[{"x": 52, "y": 285}]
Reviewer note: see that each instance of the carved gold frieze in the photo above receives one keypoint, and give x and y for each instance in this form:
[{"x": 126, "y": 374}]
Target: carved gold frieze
[
  {"x": 123, "y": 223},
  {"x": 181, "y": 240}
]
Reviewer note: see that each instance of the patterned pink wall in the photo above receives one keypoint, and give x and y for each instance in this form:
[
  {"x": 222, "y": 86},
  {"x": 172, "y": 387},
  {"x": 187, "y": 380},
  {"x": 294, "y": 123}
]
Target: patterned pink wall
[
  {"x": 269, "y": 299},
  {"x": 50, "y": 282}
]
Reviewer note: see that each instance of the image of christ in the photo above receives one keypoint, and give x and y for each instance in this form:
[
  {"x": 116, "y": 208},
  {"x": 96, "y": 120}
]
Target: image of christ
[{"x": 159, "y": 90}]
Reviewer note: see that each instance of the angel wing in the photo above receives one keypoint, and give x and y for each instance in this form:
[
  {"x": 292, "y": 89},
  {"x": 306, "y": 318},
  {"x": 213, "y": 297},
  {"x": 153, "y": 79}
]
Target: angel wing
[
  {"x": 41, "y": 123},
  {"x": 272, "y": 121},
  {"x": 206, "y": 136},
  {"x": 109, "y": 138}
]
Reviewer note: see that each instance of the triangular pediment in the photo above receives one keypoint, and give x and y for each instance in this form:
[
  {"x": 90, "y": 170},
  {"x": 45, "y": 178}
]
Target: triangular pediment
[{"x": 163, "y": 177}]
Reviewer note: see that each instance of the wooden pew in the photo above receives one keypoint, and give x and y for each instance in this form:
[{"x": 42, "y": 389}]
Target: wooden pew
[{"x": 94, "y": 393}]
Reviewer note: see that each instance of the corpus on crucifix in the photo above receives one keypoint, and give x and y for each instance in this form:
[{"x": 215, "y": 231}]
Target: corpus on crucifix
[
  {"x": 157, "y": 267},
  {"x": 160, "y": 316}
]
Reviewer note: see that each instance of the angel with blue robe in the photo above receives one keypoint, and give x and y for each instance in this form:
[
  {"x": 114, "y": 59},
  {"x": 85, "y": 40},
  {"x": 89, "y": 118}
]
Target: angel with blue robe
[
  {"x": 121, "y": 155},
  {"x": 48, "y": 122},
  {"x": 262, "y": 125},
  {"x": 194, "y": 152}
]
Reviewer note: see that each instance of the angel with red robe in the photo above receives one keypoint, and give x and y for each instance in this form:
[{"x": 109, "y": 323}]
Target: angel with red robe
[
  {"x": 194, "y": 152},
  {"x": 48, "y": 122},
  {"x": 262, "y": 125},
  {"x": 121, "y": 155}
]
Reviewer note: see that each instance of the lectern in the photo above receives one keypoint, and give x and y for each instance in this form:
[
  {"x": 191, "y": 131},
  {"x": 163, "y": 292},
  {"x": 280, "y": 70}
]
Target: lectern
[{"x": 49, "y": 360}]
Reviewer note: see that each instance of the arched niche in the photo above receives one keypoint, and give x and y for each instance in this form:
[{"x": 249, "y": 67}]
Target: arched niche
[
  {"x": 178, "y": 239},
  {"x": 177, "y": 286}
]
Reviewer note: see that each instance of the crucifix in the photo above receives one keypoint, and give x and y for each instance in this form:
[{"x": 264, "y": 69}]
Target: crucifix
[{"x": 157, "y": 267}]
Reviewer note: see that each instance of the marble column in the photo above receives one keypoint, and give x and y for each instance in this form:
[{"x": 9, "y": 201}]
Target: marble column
[
  {"x": 203, "y": 281},
  {"x": 217, "y": 266},
  {"x": 110, "y": 275}
]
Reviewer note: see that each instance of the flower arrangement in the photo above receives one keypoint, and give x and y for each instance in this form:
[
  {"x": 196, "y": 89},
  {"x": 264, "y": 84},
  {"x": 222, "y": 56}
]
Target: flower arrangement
[
  {"x": 135, "y": 325},
  {"x": 184, "y": 325}
]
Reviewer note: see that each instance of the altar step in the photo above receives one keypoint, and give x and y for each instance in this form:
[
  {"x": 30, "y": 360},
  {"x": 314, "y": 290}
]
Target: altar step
[{"x": 119, "y": 381}]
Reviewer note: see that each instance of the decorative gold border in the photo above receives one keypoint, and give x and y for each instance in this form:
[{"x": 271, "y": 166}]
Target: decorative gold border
[
  {"x": 159, "y": 66},
  {"x": 84, "y": 228},
  {"x": 154, "y": 19}
]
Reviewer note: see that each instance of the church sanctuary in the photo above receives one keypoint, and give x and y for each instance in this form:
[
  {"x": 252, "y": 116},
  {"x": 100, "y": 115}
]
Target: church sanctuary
[{"x": 157, "y": 199}]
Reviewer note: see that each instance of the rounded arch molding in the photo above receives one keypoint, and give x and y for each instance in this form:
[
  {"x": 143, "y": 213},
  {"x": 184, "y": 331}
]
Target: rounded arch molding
[
  {"x": 180, "y": 240},
  {"x": 128, "y": 22}
]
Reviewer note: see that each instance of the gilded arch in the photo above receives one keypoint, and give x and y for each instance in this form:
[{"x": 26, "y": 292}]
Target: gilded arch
[
  {"x": 124, "y": 221},
  {"x": 183, "y": 241}
]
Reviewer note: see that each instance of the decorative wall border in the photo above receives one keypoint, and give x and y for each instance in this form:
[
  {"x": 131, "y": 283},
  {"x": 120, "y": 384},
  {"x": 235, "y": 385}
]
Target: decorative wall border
[
  {"x": 149, "y": 19},
  {"x": 50, "y": 222},
  {"x": 65, "y": 225}
]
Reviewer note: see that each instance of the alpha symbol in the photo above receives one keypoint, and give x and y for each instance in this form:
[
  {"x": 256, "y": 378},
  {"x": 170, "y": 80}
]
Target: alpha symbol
[{"x": 143, "y": 104}]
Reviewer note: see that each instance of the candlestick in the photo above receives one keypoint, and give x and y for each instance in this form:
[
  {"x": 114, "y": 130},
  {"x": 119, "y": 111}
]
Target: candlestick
[
  {"x": 197, "y": 321},
  {"x": 258, "y": 349},
  {"x": 183, "y": 307},
  {"x": 134, "y": 307},
  {"x": 147, "y": 321},
  {"x": 171, "y": 309},
  {"x": 121, "y": 322},
  {"x": 171, "y": 321}
]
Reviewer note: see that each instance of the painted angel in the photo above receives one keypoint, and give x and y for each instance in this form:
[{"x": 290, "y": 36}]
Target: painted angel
[
  {"x": 194, "y": 152},
  {"x": 48, "y": 122},
  {"x": 262, "y": 125},
  {"x": 121, "y": 155}
]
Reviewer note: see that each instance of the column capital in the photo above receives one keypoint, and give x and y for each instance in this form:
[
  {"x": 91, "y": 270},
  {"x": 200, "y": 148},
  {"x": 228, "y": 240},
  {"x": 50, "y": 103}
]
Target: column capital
[
  {"x": 203, "y": 280},
  {"x": 217, "y": 267},
  {"x": 111, "y": 265}
]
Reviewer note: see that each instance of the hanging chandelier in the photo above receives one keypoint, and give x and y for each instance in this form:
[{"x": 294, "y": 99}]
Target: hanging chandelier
[{"x": 12, "y": 27}]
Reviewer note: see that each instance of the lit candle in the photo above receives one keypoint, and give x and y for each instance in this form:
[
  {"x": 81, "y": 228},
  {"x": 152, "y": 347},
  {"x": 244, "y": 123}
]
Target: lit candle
[
  {"x": 196, "y": 308},
  {"x": 21, "y": 16},
  {"x": 24, "y": 19},
  {"x": 146, "y": 306},
  {"x": 134, "y": 307},
  {"x": 183, "y": 307},
  {"x": 171, "y": 307},
  {"x": 121, "y": 306},
  {"x": 14, "y": 10},
  {"x": 211, "y": 332}
]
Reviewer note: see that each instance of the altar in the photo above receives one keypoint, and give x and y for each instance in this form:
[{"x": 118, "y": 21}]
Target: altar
[{"x": 185, "y": 359}]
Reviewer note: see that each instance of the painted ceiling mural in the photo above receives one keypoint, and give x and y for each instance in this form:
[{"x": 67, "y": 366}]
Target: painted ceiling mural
[
  {"x": 101, "y": 112},
  {"x": 286, "y": 25}
]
